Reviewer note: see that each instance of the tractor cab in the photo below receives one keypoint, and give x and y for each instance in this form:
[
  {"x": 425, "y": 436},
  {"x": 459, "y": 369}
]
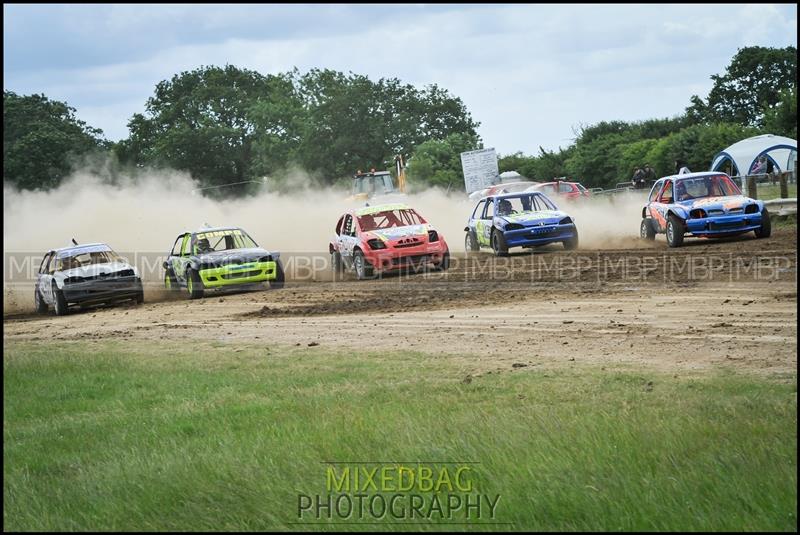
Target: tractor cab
[{"x": 372, "y": 184}]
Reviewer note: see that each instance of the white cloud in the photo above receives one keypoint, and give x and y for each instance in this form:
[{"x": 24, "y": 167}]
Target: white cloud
[{"x": 528, "y": 73}]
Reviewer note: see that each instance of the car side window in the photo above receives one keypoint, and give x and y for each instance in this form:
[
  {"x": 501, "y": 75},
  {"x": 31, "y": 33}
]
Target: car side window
[
  {"x": 476, "y": 213},
  {"x": 339, "y": 226},
  {"x": 348, "y": 226},
  {"x": 176, "y": 249},
  {"x": 666, "y": 195},
  {"x": 45, "y": 262},
  {"x": 186, "y": 250},
  {"x": 654, "y": 192},
  {"x": 488, "y": 212},
  {"x": 564, "y": 188}
]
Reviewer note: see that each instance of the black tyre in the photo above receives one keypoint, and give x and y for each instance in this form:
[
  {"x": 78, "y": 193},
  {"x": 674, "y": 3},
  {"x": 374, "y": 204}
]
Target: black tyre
[
  {"x": 499, "y": 245},
  {"x": 444, "y": 265},
  {"x": 194, "y": 285},
  {"x": 140, "y": 295},
  {"x": 41, "y": 306},
  {"x": 280, "y": 277},
  {"x": 337, "y": 266},
  {"x": 471, "y": 242},
  {"x": 170, "y": 282},
  {"x": 675, "y": 231},
  {"x": 60, "y": 303},
  {"x": 766, "y": 225},
  {"x": 362, "y": 267},
  {"x": 646, "y": 230},
  {"x": 571, "y": 243}
]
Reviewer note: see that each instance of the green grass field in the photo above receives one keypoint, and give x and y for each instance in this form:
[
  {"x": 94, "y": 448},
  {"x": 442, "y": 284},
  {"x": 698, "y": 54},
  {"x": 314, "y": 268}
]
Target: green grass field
[
  {"x": 773, "y": 191},
  {"x": 179, "y": 436}
]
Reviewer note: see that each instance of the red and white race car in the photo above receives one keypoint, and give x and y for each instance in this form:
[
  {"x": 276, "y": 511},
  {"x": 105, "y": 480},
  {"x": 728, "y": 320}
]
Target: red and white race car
[{"x": 385, "y": 238}]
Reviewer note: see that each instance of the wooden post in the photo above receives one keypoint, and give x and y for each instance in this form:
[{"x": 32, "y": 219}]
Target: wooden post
[
  {"x": 752, "y": 192},
  {"x": 784, "y": 180}
]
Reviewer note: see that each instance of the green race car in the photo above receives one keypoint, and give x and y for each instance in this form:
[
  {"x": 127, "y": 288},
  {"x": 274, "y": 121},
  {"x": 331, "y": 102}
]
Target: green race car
[{"x": 215, "y": 258}]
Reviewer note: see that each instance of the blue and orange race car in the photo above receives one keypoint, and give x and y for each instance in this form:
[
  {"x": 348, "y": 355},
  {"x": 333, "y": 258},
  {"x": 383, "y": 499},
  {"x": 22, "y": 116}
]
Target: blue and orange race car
[
  {"x": 527, "y": 219},
  {"x": 706, "y": 205}
]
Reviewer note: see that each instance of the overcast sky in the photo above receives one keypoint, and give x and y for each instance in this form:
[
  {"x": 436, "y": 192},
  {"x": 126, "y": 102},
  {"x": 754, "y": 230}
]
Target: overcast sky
[{"x": 530, "y": 74}]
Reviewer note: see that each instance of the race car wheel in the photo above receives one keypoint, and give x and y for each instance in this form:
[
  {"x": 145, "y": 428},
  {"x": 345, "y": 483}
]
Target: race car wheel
[
  {"x": 337, "y": 265},
  {"x": 646, "y": 231},
  {"x": 280, "y": 276},
  {"x": 499, "y": 245},
  {"x": 362, "y": 267},
  {"x": 58, "y": 299},
  {"x": 41, "y": 306},
  {"x": 194, "y": 284},
  {"x": 140, "y": 295},
  {"x": 766, "y": 225},
  {"x": 675, "y": 230},
  {"x": 571, "y": 243},
  {"x": 444, "y": 265},
  {"x": 471, "y": 243},
  {"x": 170, "y": 282}
]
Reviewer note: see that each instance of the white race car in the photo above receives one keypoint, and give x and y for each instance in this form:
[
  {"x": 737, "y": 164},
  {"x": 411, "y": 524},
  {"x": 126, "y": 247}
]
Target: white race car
[{"x": 85, "y": 275}]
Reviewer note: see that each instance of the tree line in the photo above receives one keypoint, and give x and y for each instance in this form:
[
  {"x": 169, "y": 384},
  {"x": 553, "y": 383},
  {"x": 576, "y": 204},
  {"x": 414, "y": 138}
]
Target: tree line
[{"x": 228, "y": 125}]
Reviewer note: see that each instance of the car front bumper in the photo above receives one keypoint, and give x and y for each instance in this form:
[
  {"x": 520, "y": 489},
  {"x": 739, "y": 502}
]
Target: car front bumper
[
  {"x": 233, "y": 274},
  {"x": 539, "y": 235},
  {"x": 396, "y": 258},
  {"x": 723, "y": 225},
  {"x": 104, "y": 290}
]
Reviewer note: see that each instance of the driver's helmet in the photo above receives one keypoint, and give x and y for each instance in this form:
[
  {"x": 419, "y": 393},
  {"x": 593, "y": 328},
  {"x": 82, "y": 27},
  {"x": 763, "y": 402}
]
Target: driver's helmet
[
  {"x": 203, "y": 245},
  {"x": 504, "y": 207},
  {"x": 680, "y": 191}
]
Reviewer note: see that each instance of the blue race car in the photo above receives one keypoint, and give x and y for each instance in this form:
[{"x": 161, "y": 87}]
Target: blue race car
[
  {"x": 527, "y": 219},
  {"x": 706, "y": 205}
]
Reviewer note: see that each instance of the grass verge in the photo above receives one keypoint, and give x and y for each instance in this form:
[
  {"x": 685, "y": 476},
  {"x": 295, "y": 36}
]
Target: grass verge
[{"x": 116, "y": 435}]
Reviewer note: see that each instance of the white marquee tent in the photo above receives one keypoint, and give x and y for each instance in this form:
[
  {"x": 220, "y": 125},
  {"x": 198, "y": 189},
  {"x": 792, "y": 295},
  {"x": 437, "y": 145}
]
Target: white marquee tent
[{"x": 781, "y": 151}]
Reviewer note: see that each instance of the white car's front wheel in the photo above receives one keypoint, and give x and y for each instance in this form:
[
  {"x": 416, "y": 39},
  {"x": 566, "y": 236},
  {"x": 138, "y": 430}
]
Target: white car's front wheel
[
  {"x": 60, "y": 302},
  {"x": 41, "y": 306}
]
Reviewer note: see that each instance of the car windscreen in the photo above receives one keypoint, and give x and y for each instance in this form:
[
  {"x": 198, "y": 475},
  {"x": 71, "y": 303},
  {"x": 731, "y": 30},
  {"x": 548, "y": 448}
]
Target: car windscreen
[
  {"x": 705, "y": 186},
  {"x": 222, "y": 240},
  {"x": 72, "y": 261},
  {"x": 390, "y": 218},
  {"x": 523, "y": 203},
  {"x": 373, "y": 184}
]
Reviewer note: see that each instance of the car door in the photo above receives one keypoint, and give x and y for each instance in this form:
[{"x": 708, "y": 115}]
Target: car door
[
  {"x": 660, "y": 206},
  {"x": 43, "y": 278},
  {"x": 484, "y": 225},
  {"x": 347, "y": 239},
  {"x": 472, "y": 224},
  {"x": 180, "y": 261}
]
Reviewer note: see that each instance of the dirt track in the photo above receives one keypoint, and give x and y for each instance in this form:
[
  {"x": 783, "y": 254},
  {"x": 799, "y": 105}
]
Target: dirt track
[{"x": 731, "y": 303}]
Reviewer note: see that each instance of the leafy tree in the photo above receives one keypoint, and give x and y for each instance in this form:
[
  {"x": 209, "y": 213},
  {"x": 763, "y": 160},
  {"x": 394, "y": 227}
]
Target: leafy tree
[
  {"x": 750, "y": 86},
  {"x": 355, "y": 123},
  {"x": 438, "y": 162},
  {"x": 206, "y": 122},
  {"x": 42, "y": 140},
  {"x": 782, "y": 118}
]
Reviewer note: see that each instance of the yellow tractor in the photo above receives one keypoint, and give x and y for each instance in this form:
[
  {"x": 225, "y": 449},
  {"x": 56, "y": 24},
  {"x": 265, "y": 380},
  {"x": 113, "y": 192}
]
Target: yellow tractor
[{"x": 379, "y": 183}]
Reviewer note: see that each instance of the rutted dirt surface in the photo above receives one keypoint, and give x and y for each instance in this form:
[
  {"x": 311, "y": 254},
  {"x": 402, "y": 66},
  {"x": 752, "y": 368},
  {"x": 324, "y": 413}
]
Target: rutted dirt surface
[{"x": 707, "y": 305}]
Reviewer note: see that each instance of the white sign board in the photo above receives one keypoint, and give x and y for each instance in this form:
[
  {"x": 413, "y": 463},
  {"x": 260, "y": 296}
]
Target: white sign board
[{"x": 480, "y": 169}]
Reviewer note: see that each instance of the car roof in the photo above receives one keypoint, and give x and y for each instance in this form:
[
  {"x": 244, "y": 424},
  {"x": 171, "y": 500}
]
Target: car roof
[
  {"x": 211, "y": 229},
  {"x": 80, "y": 249},
  {"x": 517, "y": 194},
  {"x": 367, "y": 210},
  {"x": 694, "y": 175}
]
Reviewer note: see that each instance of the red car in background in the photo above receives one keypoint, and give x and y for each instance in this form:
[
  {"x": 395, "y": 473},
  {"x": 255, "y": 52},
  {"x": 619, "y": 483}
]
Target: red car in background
[
  {"x": 384, "y": 238},
  {"x": 567, "y": 190}
]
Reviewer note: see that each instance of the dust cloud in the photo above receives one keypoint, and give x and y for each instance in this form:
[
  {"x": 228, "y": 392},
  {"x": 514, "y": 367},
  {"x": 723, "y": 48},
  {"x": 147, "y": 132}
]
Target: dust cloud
[{"x": 146, "y": 214}]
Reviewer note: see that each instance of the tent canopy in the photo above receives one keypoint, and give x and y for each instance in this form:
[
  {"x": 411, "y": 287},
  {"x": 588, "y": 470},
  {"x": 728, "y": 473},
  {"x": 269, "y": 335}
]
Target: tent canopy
[{"x": 782, "y": 151}]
